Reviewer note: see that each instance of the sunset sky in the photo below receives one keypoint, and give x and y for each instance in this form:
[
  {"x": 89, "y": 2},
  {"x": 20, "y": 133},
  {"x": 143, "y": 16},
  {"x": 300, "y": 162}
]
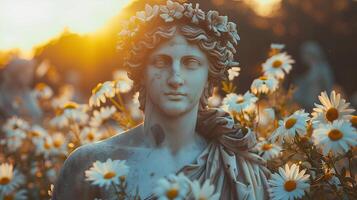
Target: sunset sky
[{"x": 26, "y": 23}]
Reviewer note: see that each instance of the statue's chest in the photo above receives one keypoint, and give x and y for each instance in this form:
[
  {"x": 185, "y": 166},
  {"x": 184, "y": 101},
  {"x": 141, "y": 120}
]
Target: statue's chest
[{"x": 145, "y": 169}]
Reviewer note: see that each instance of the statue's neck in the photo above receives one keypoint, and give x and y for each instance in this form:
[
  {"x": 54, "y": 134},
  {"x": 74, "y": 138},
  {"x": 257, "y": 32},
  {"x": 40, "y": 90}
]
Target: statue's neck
[{"x": 172, "y": 132}]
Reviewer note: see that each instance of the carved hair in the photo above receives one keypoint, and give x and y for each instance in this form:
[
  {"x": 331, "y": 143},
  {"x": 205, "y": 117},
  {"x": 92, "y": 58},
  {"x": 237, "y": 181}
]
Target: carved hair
[{"x": 217, "y": 54}]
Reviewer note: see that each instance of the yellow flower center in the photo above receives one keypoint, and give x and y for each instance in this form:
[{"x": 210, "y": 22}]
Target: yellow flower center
[
  {"x": 40, "y": 86},
  {"x": 290, "y": 123},
  {"x": 46, "y": 145},
  {"x": 97, "y": 88},
  {"x": 90, "y": 136},
  {"x": 263, "y": 78},
  {"x": 70, "y": 105},
  {"x": 290, "y": 185},
  {"x": 202, "y": 198},
  {"x": 57, "y": 143},
  {"x": 240, "y": 99},
  {"x": 354, "y": 121},
  {"x": 172, "y": 193},
  {"x": 277, "y": 64},
  {"x": 331, "y": 114},
  {"x": 4, "y": 180},
  {"x": 59, "y": 111},
  {"x": 109, "y": 175},
  {"x": 267, "y": 147},
  {"x": 335, "y": 134},
  {"x": 34, "y": 134}
]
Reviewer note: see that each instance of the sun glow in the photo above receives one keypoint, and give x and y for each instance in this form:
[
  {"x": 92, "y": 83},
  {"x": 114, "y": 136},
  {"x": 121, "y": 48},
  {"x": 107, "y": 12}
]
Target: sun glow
[
  {"x": 26, "y": 23},
  {"x": 264, "y": 8}
]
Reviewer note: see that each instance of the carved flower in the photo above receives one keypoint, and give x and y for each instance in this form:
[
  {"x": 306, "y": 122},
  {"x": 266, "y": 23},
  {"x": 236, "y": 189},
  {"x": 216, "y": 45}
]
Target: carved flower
[
  {"x": 232, "y": 31},
  {"x": 148, "y": 13},
  {"x": 196, "y": 14},
  {"x": 130, "y": 27},
  {"x": 217, "y": 23},
  {"x": 171, "y": 10}
]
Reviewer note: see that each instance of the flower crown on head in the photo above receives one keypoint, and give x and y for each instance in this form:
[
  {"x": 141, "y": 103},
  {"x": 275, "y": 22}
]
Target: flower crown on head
[{"x": 218, "y": 26}]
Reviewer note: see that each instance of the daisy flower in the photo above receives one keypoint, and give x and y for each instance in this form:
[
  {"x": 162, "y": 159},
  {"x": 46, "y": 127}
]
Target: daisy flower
[
  {"x": 353, "y": 121},
  {"x": 173, "y": 187},
  {"x": 15, "y": 126},
  {"x": 36, "y": 133},
  {"x": 268, "y": 150},
  {"x": 60, "y": 120},
  {"x": 43, "y": 91},
  {"x": 206, "y": 192},
  {"x": 15, "y": 195},
  {"x": 90, "y": 135},
  {"x": 233, "y": 72},
  {"x": 333, "y": 108},
  {"x": 104, "y": 174},
  {"x": 76, "y": 112},
  {"x": 134, "y": 108},
  {"x": 337, "y": 137},
  {"x": 10, "y": 178},
  {"x": 101, "y": 116},
  {"x": 122, "y": 82},
  {"x": 238, "y": 103},
  {"x": 172, "y": 10},
  {"x": 214, "y": 100},
  {"x": 101, "y": 92},
  {"x": 290, "y": 126},
  {"x": 55, "y": 144},
  {"x": 278, "y": 65},
  {"x": 290, "y": 183},
  {"x": 264, "y": 85}
]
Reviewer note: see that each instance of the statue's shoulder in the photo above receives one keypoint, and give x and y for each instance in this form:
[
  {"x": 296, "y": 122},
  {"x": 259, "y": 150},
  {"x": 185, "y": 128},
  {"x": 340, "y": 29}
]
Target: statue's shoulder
[
  {"x": 72, "y": 184},
  {"x": 115, "y": 147}
]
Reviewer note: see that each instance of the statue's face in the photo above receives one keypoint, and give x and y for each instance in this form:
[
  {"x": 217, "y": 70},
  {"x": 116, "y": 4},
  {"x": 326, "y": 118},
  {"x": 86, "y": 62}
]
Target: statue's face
[{"x": 176, "y": 74}]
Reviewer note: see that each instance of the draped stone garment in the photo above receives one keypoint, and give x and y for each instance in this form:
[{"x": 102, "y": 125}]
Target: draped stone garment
[{"x": 227, "y": 161}]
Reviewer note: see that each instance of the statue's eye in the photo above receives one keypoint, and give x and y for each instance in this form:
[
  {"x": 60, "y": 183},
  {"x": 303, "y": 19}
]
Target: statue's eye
[
  {"x": 191, "y": 62},
  {"x": 161, "y": 61}
]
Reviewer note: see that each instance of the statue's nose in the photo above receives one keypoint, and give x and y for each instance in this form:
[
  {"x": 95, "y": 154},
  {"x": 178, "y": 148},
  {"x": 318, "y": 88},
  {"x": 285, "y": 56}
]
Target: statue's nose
[{"x": 175, "y": 80}]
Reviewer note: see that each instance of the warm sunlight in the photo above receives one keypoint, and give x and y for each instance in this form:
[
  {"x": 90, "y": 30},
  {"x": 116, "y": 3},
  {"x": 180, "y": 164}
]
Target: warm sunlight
[
  {"x": 264, "y": 8},
  {"x": 25, "y": 23}
]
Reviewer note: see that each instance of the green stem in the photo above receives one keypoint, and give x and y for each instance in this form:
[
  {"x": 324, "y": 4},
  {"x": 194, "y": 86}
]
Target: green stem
[{"x": 118, "y": 106}]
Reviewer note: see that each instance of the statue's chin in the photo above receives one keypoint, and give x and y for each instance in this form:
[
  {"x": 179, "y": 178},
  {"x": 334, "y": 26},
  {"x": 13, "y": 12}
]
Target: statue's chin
[{"x": 174, "y": 109}]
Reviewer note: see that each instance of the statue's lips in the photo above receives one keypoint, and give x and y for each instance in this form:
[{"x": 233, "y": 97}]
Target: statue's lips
[{"x": 175, "y": 95}]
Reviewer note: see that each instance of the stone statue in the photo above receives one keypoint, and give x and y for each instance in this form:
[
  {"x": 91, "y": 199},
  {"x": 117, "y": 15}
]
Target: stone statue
[{"x": 175, "y": 61}]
